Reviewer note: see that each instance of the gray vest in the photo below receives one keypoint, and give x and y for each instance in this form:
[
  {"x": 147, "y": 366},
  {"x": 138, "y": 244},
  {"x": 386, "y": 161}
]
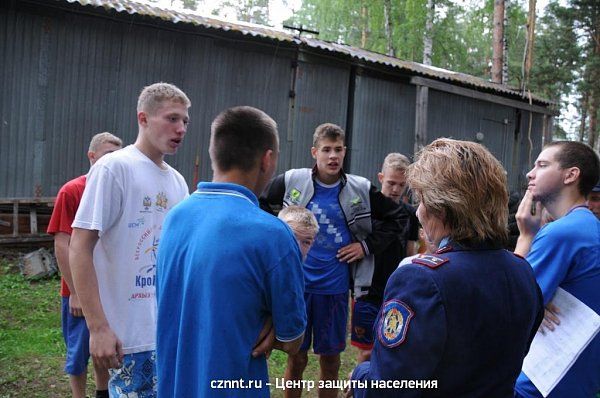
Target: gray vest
[{"x": 356, "y": 206}]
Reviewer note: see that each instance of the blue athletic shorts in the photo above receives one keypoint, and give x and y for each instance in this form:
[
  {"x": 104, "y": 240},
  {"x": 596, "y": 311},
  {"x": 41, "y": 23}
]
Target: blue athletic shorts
[
  {"x": 136, "y": 378},
  {"x": 364, "y": 315},
  {"x": 327, "y": 316},
  {"x": 77, "y": 340}
]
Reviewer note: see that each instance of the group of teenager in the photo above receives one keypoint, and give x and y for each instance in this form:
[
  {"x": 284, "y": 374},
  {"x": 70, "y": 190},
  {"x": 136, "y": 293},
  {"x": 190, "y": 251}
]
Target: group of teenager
[{"x": 178, "y": 295}]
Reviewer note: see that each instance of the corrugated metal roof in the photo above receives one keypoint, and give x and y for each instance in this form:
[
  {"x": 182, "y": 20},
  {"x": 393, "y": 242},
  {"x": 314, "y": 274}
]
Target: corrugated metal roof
[{"x": 133, "y": 7}]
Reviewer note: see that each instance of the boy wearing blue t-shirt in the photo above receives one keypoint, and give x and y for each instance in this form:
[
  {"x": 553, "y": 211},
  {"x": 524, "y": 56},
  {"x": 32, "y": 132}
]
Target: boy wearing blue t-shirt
[
  {"x": 343, "y": 205},
  {"x": 564, "y": 253},
  {"x": 226, "y": 268}
]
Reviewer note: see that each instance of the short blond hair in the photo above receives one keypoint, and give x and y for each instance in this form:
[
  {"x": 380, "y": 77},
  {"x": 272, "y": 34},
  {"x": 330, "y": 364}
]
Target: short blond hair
[
  {"x": 328, "y": 131},
  {"x": 464, "y": 185},
  {"x": 299, "y": 218},
  {"x": 102, "y": 138},
  {"x": 396, "y": 162},
  {"x": 154, "y": 95}
]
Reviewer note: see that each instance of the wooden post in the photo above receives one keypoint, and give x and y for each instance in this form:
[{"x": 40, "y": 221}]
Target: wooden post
[
  {"x": 422, "y": 99},
  {"x": 498, "y": 41},
  {"x": 15, "y": 218}
]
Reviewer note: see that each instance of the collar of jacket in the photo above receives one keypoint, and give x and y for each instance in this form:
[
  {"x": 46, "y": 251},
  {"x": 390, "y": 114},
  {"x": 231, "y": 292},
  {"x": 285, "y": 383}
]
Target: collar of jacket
[
  {"x": 343, "y": 177},
  {"x": 453, "y": 246}
]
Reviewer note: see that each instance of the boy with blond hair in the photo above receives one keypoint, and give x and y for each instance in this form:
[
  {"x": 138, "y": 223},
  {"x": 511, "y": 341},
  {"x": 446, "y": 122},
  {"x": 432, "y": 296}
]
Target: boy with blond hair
[
  {"x": 304, "y": 225},
  {"x": 75, "y": 332},
  {"x": 364, "y": 309},
  {"x": 115, "y": 237}
]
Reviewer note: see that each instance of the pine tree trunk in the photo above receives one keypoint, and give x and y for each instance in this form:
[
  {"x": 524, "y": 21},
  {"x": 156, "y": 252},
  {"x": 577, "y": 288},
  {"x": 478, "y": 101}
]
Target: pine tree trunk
[
  {"x": 497, "y": 38},
  {"x": 530, "y": 40},
  {"x": 505, "y": 43},
  {"x": 428, "y": 39},
  {"x": 593, "y": 83},
  {"x": 593, "y": 111},
  {"x": 387, "y": 13},
  {"x": 584, "y": 109},
  {"x": 365, "y": 25}
]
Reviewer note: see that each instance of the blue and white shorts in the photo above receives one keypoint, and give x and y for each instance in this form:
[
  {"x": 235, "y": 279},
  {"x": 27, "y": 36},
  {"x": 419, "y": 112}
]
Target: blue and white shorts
[{"x": 136, "y": 378}]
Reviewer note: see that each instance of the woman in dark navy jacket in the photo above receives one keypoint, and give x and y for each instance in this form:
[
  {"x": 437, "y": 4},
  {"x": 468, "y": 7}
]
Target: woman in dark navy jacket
[{"x": 458, "y": 322}]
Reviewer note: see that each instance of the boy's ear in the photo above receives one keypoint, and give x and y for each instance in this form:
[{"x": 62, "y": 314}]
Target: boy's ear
[
  {"x": 142, "y": 118},
  {"x": 571, "y": 175},
  {"x": 313, "y": 152},
  {"x": 380, "y": 177},
  {"x": 266, "y": 160}
]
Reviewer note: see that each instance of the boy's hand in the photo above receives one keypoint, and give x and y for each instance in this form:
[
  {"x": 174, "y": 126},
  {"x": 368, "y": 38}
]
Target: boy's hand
[
  {"x": 529, "y": 215},
  {"x": 106, "y": 349},
  {"x": 74, "y": 305},
  {"x": 550, "y": 318},
  {"x": 265, "y": 341},
  {"x": 351, "y": 253}
]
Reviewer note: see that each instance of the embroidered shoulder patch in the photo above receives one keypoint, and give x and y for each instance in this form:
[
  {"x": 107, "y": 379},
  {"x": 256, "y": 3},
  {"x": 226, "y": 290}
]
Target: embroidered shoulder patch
[
  {"x": 393, "y": 323},
  {"x": 429, "y": 260},
  {"x": 295, "y": 195}
]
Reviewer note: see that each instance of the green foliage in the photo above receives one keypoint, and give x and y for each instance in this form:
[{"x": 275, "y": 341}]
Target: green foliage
[
  {"x": 557, "y": 57},
  {"x": 31, "y": 345},
  {"x": 29, "y": 317}
]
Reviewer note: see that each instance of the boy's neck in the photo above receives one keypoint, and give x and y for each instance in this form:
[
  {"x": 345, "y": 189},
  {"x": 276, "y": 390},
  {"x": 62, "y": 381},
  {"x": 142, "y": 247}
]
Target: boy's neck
[
  {"x": 328, "y": 179},
  {"x": 565, "y": 201},
  {"x": 152, "y": 153}
]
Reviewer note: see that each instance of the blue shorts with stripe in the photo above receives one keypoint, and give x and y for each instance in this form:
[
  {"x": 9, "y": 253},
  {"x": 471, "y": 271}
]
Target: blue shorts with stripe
[
  {"x": 364, "y": 315},
  {"x": 327, "y": 316}
]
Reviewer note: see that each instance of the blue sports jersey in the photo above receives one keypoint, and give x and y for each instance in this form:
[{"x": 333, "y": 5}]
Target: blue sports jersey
[
  {"x": 224, "y": 265},
  {"x": 323, "y": 272},
  {"x": 566, "y": 253}
]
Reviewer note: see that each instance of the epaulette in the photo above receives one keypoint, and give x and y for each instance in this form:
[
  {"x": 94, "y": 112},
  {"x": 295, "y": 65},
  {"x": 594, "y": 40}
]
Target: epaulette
[
  {"x": 444, "y": 249},
  {"x": 429, "y": 260}
]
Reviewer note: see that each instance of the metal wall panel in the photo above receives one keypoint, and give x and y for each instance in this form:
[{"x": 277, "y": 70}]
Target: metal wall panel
[
  {"x": 72, "y": 76},
  {"x": 530, "y": 146},
  {"x": 321, "y": 97},
  {"x": 68, "y": 75},
  {"x": 221, "y": 76},
  {"x": 82, "y": 94},
  {"x": 464, "y": 118},
  {"x": 384, "y": 122},
  {"x": 22, "y": 83}
]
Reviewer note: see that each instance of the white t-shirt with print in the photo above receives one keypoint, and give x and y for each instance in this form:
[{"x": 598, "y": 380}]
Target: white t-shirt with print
[{"x": 126, "y": 199}]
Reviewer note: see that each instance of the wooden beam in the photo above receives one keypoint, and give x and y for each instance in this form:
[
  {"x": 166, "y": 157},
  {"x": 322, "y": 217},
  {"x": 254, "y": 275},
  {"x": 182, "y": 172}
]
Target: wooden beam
[
  {"x": 33, "y": 222},
  {"x": 15, "y": 219},
  {"x": 29, "y": 200},
  {"x": 421, "y": 106},
  {"x": 25, "y": 239},
  {"x": 465, "y": 92}
]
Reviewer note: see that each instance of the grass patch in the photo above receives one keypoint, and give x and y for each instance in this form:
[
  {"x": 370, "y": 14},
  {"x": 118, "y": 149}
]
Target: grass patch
[
  {"x": 31, "y": 345},
  {"x": 32, "y": 349}
]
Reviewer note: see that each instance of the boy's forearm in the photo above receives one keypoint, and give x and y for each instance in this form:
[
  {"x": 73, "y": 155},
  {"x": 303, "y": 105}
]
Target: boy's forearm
[
  {"x": 84, "y": 277},
  {"x": 61, "y": 251},
  {"x": 523, "y": 245},
  {"x": 290, "y": 347}
]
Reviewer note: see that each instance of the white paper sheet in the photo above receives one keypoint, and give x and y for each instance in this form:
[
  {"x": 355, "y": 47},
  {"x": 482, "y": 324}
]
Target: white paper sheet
[{"x": 552, "y": 355}]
